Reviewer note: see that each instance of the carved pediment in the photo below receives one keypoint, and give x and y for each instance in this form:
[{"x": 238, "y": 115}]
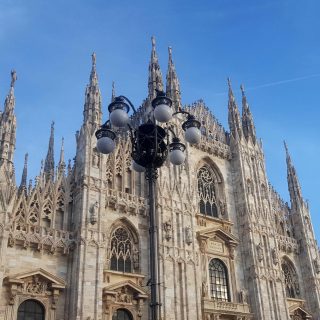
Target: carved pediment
[
  {"x": 219, "y": 234},
  {"x": 299, "y": 313},
  {"x": 125, "y": 291},
  {"x": 41, "y": 275},
  {"x": 37, "y": 282}
]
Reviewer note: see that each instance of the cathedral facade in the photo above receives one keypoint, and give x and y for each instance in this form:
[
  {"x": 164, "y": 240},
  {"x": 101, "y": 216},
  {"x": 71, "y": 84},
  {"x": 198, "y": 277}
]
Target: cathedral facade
[{"x": 74, "y": 244}]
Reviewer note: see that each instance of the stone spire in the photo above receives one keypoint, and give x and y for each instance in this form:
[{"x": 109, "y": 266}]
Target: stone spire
[
  {"x": 62, "y": 164},
  {"x": 234, "y": 118},
  {"x": 8, "y": 127},
  {"x": 23, "y": 184},
  {"x": 92, "y": 107},
  {"x": 293, "y": 181},
  {"x": 155, "y": 75},
  {"x": 173, "y": 85},
  {"x": 248, "y": 127},
  {"x": 49, "y": 162},
  {"x": 113, "y": 94}
]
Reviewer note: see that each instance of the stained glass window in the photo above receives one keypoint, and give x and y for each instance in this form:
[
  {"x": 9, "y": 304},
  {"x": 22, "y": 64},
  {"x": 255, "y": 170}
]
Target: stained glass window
[
  {"x": 218, "y": 273},
  {"x": 206, "y": 190}
]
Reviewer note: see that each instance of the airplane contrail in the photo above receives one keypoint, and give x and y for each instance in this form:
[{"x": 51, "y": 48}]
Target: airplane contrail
[{"x": 275, "y": 83}]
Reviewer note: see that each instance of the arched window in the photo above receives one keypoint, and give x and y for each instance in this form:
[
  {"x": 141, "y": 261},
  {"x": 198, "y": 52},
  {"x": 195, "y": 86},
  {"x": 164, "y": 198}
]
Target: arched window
[
  {"x": 218, "y": 274},
  {"x": 123, "y": 251},
  {"x": 30, "y": 309},
  {"x": 290, "y": 279},
  {"x": 121, "y": 314},
  {"x": 207, "y": 194}
]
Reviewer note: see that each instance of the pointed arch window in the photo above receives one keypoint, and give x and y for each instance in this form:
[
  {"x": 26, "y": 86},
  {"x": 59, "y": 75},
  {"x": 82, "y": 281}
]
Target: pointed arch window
[
  {"x": 290, "y": 279},
  {"x": 219, "y": 287},
  {"x": 207, "y": 193},
  {"x": 123, "y": 251}
]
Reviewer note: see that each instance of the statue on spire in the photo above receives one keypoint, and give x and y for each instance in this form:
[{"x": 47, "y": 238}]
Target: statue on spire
[
  {"x": 94, "y": 58},
  {"x": 13, "y": 78}
]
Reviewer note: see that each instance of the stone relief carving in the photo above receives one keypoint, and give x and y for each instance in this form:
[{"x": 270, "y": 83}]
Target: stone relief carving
[
  {"x": 167, "y": 227},
  {"x": 123, "y": 295},
  {"x": 188, "y": 233}
]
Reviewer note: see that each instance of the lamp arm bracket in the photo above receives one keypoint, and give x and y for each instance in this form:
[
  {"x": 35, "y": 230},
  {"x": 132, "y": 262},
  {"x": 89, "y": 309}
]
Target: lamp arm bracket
[
  {"x": 130, "y": 103},
  {"x": 181, "y": 111}
]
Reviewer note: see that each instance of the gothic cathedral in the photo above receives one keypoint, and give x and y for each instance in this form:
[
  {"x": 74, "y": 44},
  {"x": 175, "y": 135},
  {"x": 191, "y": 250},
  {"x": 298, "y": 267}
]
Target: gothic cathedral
[{"x": 74, "y": 243}]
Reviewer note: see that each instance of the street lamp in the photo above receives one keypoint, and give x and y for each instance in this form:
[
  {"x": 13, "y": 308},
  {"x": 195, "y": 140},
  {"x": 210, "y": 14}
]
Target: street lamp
[{"x": 150, "y": 150}]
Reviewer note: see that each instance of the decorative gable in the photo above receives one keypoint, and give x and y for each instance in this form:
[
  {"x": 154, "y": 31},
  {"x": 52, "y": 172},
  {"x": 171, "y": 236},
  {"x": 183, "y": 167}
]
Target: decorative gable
[{"x": 37, "y": 283}]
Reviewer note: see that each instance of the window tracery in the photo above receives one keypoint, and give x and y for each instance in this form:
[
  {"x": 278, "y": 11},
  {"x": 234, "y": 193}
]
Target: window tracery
[
  {"x": 290, "y": 279},
  {"x": 124, "y": 255},
  {"x": 218, "y": 274},
  {"x": 207, "y": 192}
]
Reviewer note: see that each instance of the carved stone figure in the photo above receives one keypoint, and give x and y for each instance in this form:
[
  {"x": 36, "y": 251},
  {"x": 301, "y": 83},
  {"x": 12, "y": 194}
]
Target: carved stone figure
[
  {"x": 204, "y": 288},
  {"x": 94, "y": 213},
  {"x": 188, "y": 233},
  {"x": 167, "y": 227},
  {"x": 135, "y": 258},
  {"x": 275, "y": 257},
  {"x": 316, "y": 265},
  {"x": 259, "y": 252},
  {"x": 243, "y": 296}
]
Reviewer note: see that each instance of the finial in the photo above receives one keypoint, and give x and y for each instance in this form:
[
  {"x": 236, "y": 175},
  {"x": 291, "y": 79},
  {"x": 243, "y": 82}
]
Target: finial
[
  {"x": 153, "y": 41},
  {"x": 170, "y": 52},
  {"x": 52, "y": 126},
  {"x": 13, "y": 78},
  {"x": 94, "y": 59}
]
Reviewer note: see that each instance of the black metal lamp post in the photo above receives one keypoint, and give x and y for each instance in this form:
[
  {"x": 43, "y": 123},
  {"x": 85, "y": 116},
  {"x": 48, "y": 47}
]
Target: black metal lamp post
[{"x": 149, "y": 151}]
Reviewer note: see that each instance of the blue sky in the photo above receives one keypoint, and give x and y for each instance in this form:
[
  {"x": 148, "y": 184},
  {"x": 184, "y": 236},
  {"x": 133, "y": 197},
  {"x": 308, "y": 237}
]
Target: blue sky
[{"x": 272, "y": 47}]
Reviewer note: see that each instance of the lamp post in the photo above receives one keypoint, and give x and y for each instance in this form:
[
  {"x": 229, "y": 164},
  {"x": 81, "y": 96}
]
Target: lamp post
[{"x": 150, "y": 149}]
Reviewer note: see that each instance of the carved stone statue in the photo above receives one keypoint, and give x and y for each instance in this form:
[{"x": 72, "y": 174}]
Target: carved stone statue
[
  {"x": 204, "y": 289},
  {"x": 275, "y": 257},
  {"x": 243, "y": 296},
  {"x": 188, "y": 233},
  {"x": 316, "y": 265},
  {"x": 94, "y": 213},
  {"x": 167, "y": 227},
  {"x": 135, "y": 258},
  {"x": 259, "y": 252}
]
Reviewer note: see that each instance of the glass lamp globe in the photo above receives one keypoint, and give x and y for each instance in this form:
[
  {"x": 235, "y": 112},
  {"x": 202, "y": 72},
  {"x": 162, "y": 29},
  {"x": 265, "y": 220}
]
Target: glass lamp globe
[
  {"x": 177, "y": 157},
  {"x": 137, "y": 167},
  {"x": 105, "y": 145},
  {"x": 193, "y": 135},
  {"x": 163, "y": 113},
  {"x": 119, "y": 118},
  {"x": 176, "y": 152}
]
